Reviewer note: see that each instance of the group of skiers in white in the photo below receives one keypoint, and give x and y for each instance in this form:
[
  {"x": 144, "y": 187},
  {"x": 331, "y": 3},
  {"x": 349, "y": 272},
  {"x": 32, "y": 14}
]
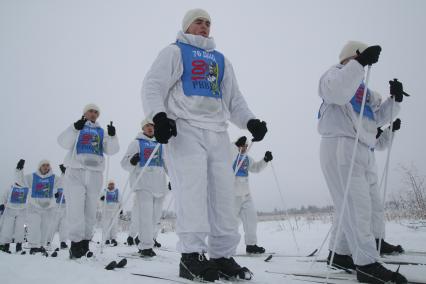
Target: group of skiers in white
[{"x": 189, "y": 95}]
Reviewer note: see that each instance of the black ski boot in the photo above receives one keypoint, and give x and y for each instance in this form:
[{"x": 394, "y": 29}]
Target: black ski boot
[
  {"x": 387, "y": 248},
  {"x": 5, "y": 248},
  {"x": 137, "y": 241},
  {"x": 230, "y": 269},
  {"x": 254, "y": 249},
  {"x": 341, "y": 261},
  {"x": 147, "y": 253},
  {"x": 107, "y": 242},
  {"x": 85, "y": 248},
  {"x": 114, "y": 243},
  {"x": 64, "y": 245},
  {"x": 157, "y": 244},
  {"x": 41, "y": 250},
  {"x": 195, "y": 266},
  {"x": 375, "y": 273},
  {"x": 76, "y": 250},
  {"x": 130, "y": 241},
  {"x": 18, "y": 247}
]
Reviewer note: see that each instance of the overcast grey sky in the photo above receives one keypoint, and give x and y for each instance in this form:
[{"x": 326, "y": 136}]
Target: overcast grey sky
[{"x": 56, "y": 56}]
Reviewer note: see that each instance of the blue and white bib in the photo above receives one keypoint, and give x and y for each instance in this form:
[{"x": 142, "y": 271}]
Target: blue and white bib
[
  {"x": 145, "y": 149},
  {"x": 90, "y": 141},
  {"x": 42, "y": 187},
  {"x": 19, "y": 195},
  {"x": 202, "y": 71},
  {"x": 243, "y": 170},
  {"x": 356, "y": 102},
  {"x": 112, "y": 196}
]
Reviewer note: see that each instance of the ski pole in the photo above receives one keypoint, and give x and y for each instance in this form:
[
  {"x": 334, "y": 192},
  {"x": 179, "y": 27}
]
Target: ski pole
[
  {"x": 115, "y": 215},
  {"x": 320, "y": 248},
  {"x": 349, "y": 178},
  {"x": 284, "y": 206}
]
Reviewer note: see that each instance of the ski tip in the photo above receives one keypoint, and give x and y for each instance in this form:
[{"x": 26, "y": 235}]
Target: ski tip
[
  {"x": 111, "y": 265},
  {"x": 313, "y": 253},
  {"x": 268, "y": 258},
  {"x": 122, "y": 263}
]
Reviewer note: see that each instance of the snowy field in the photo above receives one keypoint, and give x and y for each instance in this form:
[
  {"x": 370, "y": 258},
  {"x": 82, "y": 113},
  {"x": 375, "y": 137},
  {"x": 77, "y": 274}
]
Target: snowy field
[{"x": 275, "y": 237}]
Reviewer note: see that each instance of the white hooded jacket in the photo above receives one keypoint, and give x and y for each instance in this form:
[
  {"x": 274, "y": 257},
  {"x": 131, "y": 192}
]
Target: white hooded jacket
[
  {"x": 162, "y": 91},
  {"x": 27, "y": 181},
  {"x": 153, "y": 179},
  {"x": 241, "y": 184},
  {"x": 337, "y": 116},
  {"x": 68, "y": 140}
]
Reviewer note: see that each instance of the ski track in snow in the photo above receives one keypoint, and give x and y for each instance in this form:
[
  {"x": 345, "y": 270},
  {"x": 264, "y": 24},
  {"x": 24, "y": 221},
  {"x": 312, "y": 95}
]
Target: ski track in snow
[{"x": 275, "y": 237}]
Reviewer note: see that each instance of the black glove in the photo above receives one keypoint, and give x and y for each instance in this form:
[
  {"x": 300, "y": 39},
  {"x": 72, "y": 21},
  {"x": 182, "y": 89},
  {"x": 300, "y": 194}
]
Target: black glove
[
  {"x": 56, "y": 195},
  {"x": 79, "y": 124},
  {"x": 379, "y": 132},
  {"x": 268, "y": 156},
  {"x": 135, "y": 159},
  {"x": 396, "y": 90},
  {"x": 111, "y": 129},
  {"x": 369, "y": 56},
  {"x": 396, "y": 125},
  {"x": 164, "y": 127},
  {"x": 62, "y": 168},
  {"x": 102, "y": 197},
  {"x": 20, "y": 164},
  {"x": 169, "y": 186},
  {"x": 241, "y": 141},
  {"x": 1, "y": 208},
  {"x": 257, "y": 128}
]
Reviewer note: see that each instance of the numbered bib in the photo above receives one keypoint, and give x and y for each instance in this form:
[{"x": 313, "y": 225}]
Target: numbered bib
[
  {"x": 90, "y": 141},
  {"x": 42, "y": 187},
  {"x": 19, "y": 195},
  {"x": 243, "y": 170},
  {"x": 146, "y": 147}
]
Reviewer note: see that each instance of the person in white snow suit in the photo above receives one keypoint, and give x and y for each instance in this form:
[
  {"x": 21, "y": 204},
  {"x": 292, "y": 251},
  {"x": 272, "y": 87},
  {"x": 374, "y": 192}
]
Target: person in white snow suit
[
  {"x": 86, "y": 142},
  {"x": 378, "y": 219},
  {"x": 41, "y": 201},
  {"x": 111, "y": 203},
  {"x": 59, "y": 223},
  {"x": 14, "y": 205},
  {"x": 191, "y": 93},
  {"x": 341, "y": 89},
  {"x": 151, "y": 188},
  {"x": 244, "y": 204}
]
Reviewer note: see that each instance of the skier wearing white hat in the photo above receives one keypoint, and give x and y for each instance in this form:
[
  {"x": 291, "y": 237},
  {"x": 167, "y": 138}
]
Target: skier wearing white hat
[
  {"x": 42, "y": 184},
  {"x": 191, "y": 93},
  {"x": 86, "y": 142},
  {"x": 151, "y": 188},
  {"x": 341, "y": 89}
]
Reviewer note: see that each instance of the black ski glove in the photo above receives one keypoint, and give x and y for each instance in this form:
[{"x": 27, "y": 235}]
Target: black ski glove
[
  {"x": 379, "y": 132},
  {"x": 268, "y": 156},
  {"x": 396, "y": 90},
  {"x": 102, "y": 198},
  {"x": 396, "y": 125},
  {"x": 111, "y": 129},
  {"x": 164, "y": 128},
  {"x": 135, "y": 159},
  {"x": 257, "y": 128},
  {"x": 20, "y": 164},
  {"x": 79, "y": 124},
  {"x": 169, "y": 186},
  {"x": 56, "y": 195},
  {"x": 62, "y": 168},
  {"x": 241, "y": 141},
  {"x": 369, "y": 56}
]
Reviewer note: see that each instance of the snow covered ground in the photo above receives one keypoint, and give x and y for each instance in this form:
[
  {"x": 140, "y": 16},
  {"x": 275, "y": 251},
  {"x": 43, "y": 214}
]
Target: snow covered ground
[{"x": 275, "y": 237}]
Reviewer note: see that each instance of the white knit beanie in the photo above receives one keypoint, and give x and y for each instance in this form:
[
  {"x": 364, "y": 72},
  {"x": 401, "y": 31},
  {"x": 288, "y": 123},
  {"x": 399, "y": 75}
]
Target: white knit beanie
[
  {"x": 350, "y": 49},
  {"x": 42, "y": 162},
  {"x": 91, "y": 106},
  {"x": 192, "y": 15},
  {"x": 146, "y": 121}
]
